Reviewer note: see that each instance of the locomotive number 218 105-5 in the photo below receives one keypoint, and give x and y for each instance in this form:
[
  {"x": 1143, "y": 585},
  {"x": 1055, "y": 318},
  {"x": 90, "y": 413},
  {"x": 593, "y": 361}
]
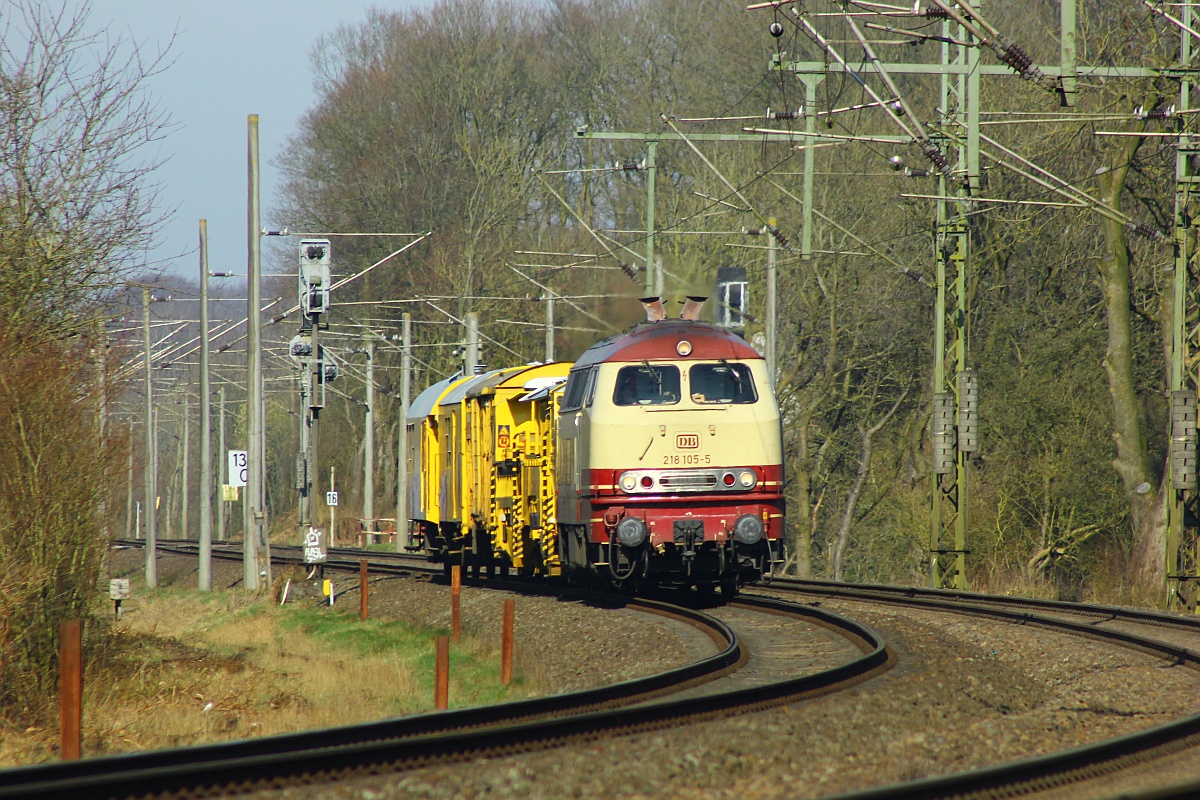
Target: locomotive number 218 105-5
[{"x": 685, "y": 459}]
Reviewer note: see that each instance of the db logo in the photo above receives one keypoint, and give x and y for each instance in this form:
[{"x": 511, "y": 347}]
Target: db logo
[{"x": 687, "y": 441}]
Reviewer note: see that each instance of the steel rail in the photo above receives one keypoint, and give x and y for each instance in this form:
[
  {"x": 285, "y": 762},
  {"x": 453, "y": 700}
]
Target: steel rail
[
  {"x": 1062, "y": 768},
  {"x": 1102, "y": 613}
]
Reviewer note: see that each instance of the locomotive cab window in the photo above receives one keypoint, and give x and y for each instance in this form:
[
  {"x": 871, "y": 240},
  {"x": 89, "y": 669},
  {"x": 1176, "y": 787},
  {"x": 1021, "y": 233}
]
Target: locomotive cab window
[
  {"x": 647, "y": 385},
  {"x": 722, "y": 383},
  {"x": 578, "y": 383}
]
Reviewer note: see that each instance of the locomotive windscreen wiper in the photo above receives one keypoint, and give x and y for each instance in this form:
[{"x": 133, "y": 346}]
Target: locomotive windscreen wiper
[{"x": 654, "y": 374}]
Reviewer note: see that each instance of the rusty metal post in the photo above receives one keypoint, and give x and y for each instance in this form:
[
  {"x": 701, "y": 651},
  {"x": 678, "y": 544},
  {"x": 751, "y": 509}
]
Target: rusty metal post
[
  {"x": 71, "y": 688},
  {"x": 455, "y": 606},
  {"x": 441, "y": 689},
  {"x": 362, "y": 589},
  {"x": 506, "y": 643}
]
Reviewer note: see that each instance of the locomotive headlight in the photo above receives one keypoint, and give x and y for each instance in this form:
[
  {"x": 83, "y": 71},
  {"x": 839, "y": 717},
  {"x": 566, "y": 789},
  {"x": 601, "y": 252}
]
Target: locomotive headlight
[
  {"x": 631, "y": 531},
  {"x": 747, "y": 479},
  {"x": 748, "y": 529},
  {"x": 628, "y": 482},
  {"x": 684, "y": 348}
]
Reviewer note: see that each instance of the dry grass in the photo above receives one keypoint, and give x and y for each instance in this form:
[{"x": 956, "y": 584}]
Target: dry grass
[{"x": 186, "y": 668}]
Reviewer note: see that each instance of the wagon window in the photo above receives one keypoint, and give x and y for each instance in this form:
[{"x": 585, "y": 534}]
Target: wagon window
[
  {"x": 647, "y": 385},
  {"x": 722, "y": 383}
]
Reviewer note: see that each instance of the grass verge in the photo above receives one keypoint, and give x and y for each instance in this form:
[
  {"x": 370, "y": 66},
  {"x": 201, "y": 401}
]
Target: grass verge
[{"x": 185, "y": 667}]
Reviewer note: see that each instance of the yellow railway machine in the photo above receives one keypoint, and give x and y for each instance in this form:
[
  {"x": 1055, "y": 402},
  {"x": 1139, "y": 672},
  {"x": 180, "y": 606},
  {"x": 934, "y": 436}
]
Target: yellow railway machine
[{"x": 481, "y": 470}]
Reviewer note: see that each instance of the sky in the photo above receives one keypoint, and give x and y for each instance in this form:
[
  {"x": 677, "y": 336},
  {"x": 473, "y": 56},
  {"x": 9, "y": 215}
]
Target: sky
[{"x": 232, "y": 58}]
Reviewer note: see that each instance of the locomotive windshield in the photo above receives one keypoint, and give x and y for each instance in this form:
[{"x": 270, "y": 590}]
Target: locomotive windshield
[
  {"x": 722, "y": 383},
  {"x": 647, "y": 385}
]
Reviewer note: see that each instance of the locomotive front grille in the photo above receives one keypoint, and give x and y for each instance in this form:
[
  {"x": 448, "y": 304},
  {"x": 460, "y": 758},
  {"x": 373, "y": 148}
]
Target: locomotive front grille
[
  {"x": 688, "y": 480},
  {"x": 675, "y": 481}
]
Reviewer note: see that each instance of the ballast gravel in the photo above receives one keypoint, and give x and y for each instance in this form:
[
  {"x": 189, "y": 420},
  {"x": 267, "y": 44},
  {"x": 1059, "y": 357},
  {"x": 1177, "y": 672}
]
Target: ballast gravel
[{"x": 967, "y": 693}]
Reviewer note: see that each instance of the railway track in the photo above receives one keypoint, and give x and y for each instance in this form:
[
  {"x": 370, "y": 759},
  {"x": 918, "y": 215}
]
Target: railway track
[
  {"x": 1137, "y": 630},
  {"x": 491, "y": 731},
  {"x": 1075, "y": 767}
]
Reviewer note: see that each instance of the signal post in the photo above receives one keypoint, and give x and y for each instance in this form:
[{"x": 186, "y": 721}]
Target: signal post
[{"x": 315, "y": 279}]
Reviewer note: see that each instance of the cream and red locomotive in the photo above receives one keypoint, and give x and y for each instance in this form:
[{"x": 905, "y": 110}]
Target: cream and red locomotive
[
  {"x": 658, "y": 462},
  {"x": 669, "y": 458}
]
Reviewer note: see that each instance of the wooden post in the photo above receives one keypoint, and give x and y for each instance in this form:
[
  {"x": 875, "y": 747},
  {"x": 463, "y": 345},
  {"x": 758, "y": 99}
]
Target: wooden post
[
  {"x": 71, "y": 688},
  {"x": 362, "y": 589},
  {"x": 441, "y": 690},
  {"x": 455, "y": 606},
  {"x": 506, "y": 643}
]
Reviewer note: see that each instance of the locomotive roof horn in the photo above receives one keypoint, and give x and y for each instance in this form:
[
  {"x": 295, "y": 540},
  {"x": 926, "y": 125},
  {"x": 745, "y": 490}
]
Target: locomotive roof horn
[
  {"x": 691, "y": 308},
  {"x": 655, "y": 310}
]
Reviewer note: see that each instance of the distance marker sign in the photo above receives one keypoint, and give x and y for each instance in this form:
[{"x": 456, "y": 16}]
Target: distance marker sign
[{"x": 237, "y": 468}]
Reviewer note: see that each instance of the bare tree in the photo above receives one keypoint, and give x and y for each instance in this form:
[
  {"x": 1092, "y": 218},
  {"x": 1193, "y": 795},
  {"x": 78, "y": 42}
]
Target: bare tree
[{"x": 78, "y": 205}]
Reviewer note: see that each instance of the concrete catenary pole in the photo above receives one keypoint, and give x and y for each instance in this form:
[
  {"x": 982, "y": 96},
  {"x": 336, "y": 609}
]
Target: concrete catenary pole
[
  {"x": 472, "y": 360},
  {"x": 129, "y": 530},
  {"x": 185, "y": 462},
  {"x": 206, "y": 489},
  {"x": 222, "y": 461},
  {"x": 402, "y": 438},
  {"x": 771, "y": 279},
  {"x": 252, "y": 511},
  {"x": 369, "y": 445},
  {"x": 151, "y": 480}
]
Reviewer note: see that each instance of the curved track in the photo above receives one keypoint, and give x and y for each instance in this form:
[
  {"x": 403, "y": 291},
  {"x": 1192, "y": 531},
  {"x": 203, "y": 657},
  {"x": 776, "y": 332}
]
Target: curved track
[
  {"x": 1064, "y": 768},
  {"x": 485, "y": 731}
]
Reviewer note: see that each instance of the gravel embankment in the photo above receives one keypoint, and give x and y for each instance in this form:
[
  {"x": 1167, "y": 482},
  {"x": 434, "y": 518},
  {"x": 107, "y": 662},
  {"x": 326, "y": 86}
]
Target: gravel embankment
[{"x": 968, "y": 693}]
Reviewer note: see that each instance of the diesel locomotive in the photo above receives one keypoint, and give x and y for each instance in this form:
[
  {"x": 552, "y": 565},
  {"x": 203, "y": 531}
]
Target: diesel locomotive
[{"x": 655, "y": 459}]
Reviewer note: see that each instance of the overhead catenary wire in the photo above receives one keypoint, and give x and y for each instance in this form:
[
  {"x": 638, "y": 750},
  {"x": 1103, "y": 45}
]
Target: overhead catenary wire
[
  {"x": 628, "y": 270},
  {"x": 1067, "y": 189},
  {"x": 573, "y": 305},
  {"x": 766, "y": 223},
  {"x": 295, "y": 308},
  {"x": 900, "y": 105},
  {"x": 908, "y": 271}
]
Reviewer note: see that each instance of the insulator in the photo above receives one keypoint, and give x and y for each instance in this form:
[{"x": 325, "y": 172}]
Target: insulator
[
  {"x": 779, "y": 237},
  {"x": 1018, "y": 59},
  {"x": 1156, "y": 114},
  {"x": 630, "y": 166},
  {"x": 1145, "y": 230},
  {"x": 934, "y": 154},
  {"x": 781, "y": 115},
  {"x": 628, "y": 270},
  {"x": 1183, "y": 439},
  {"x": 912, "y": 273},
  {"x": 936, "y": 12}
]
